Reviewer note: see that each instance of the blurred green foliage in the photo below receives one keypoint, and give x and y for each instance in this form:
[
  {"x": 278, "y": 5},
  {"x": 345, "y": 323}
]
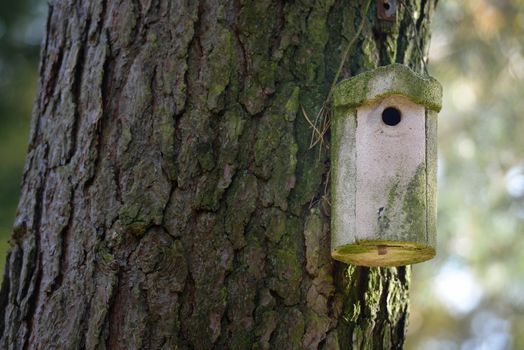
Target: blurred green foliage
[
  {"x": 21, "y": 27},
  {"x": 472, "y": 295}
]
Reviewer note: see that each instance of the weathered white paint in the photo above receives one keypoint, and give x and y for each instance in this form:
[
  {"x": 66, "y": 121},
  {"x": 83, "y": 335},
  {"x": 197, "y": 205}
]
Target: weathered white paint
[{"x": 386, "y": 157}]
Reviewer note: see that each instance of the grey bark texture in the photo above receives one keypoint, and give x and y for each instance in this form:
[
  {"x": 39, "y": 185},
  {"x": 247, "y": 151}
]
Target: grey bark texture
[{"x": 170, "y": 198}]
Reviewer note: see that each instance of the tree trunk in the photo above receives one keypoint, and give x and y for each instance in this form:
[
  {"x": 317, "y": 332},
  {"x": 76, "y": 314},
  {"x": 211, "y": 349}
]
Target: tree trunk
[{"x": 170, "y": 196}]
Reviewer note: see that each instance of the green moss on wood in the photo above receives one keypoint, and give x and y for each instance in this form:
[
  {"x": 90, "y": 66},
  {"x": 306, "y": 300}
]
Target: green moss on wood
[
  {"x": 394, "y": 79},
  {"x": 414, "y": 206}
]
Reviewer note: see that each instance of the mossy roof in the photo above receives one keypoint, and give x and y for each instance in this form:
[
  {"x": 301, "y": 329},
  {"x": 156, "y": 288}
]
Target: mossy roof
[{"x": 393, "y": 79}]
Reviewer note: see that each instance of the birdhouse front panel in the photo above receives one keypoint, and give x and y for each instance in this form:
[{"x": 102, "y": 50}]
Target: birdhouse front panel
[
  {"x": 391, "y": 170},
  {"x": 383, "y": 167}
]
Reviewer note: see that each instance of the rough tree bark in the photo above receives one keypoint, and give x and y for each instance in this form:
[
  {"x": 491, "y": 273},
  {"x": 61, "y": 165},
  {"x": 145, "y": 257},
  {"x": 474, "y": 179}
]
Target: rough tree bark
[{"x": 170, "y": 198}]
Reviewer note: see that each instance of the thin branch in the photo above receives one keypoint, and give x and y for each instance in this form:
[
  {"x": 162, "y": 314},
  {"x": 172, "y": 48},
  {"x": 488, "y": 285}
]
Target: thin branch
[{"x": 317, "y": 136}]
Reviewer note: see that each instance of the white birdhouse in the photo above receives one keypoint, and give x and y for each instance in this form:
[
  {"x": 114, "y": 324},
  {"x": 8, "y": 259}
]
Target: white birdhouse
[{"x": 383, "y": 167}]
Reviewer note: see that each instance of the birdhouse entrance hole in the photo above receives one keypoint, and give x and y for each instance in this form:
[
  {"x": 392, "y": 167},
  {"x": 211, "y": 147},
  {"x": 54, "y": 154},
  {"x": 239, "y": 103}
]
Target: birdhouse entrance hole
[{"x": 391, "y": 116}]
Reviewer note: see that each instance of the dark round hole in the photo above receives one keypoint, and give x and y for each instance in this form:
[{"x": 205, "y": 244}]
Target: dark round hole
[
  {"x": 386, "y": 5},
  {"x": 391, "y": 116}
]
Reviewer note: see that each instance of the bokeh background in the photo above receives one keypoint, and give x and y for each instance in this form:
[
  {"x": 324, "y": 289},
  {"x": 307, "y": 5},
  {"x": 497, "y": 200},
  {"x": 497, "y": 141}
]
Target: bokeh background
[
  {"x": 472, "y": 295},
  {"x": 22, "y": 24}
]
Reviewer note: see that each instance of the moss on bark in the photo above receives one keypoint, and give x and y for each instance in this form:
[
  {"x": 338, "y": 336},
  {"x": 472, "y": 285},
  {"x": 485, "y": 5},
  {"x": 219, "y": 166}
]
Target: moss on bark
[{"x": 170, "y": 198}]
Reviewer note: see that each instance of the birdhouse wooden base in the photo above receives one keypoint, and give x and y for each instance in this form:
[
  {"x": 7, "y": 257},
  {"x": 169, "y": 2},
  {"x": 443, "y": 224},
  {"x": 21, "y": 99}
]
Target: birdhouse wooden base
[
  {"x": 383, "y": 253},
  {"x": 384, "y": 155}
]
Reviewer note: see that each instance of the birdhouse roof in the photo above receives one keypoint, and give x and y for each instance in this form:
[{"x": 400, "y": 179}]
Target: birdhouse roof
[{"x": 394, "y": 79}]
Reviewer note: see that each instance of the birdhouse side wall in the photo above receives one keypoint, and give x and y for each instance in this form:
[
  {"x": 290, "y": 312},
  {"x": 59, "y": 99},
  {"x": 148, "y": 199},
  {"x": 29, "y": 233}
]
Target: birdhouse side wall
[
  {"x": 343, "y": 175},
  {"x": 431, "y": 166}
]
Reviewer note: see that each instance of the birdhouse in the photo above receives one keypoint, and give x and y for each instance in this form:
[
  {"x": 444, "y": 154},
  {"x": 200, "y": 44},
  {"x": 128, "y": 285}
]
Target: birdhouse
[{"x": 384, "y": 167}]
